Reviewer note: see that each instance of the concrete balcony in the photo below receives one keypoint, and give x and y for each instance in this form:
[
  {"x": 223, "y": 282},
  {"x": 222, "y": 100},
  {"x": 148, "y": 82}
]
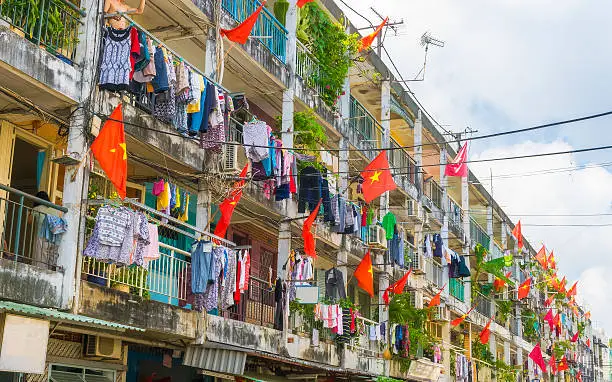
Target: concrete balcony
[{"x": 36, "y": 59}]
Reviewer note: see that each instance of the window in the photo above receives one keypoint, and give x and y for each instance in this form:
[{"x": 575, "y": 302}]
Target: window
[{"x": 62, "y": 373}]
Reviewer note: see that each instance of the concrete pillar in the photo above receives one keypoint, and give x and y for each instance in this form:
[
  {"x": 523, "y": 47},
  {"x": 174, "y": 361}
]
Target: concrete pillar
[
  {"x": 210, "y": 63},
  {"x": 465, "y": 206},
  {"x": 203, "y": 206},
  {"x": 385, "y": 117},
  {"x": 418, "y": 152},
  {"x": 76, "y": 185},
  {"x": 504, "y": 235},
  {"x": 284, "y": 247},
  {"x": 490, "y": 227},
  {"x": 343, "y": 123},
  {"x": 507, "y": 352},
  {"x": 493, "y": 345},
  {"x": 445, "y": 208}
]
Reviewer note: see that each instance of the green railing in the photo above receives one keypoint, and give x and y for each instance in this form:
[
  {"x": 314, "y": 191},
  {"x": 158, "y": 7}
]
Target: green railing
[
  {"x": 478, "y": 235},
  {"x": 52, "y": 24},
  {"x": 457, "y": 289},
  {"x": 21, "y": 228}
]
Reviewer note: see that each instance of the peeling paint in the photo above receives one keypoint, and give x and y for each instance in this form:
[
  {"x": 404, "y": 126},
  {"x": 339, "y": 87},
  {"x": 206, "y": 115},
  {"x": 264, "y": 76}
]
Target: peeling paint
[{"x": 30, "y": 285}]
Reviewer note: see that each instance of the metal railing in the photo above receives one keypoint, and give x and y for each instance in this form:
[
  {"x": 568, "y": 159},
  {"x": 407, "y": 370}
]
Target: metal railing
[
  {"x": 477, "y": 234},
  {"x": 496, "y": 251},
  {"x": 53, "y": 24},
  {"x": 434, "y": 272},
  {"x": 483, "y": 305},
  {"x": 411, "y": 257},
  {"x": 456, "y": 289},
  {"x": 267, "y": 30},
  {"x": 514, "y": 326},
  {"x": 434, "y": 192},
  {"x": 308, "y": 69},
  {"x": 22, "y": 228},
  {"x": 164, "y": 279},
  {"x": 364, "y": 133},
  {"x": 402, "y": 165},
  {"x": 256, "y": 305}
]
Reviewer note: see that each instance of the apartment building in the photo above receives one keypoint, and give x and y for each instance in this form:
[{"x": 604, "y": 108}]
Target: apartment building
[{"x": 91, "y": 319}]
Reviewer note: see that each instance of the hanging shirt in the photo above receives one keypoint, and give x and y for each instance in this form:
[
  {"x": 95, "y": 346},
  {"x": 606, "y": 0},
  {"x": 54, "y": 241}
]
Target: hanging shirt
[
  {"x": 388, "y": 224},
  {"x": 428, "y": 251}
]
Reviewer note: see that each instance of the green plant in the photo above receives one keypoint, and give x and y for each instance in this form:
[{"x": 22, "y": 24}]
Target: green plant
[
  {"x": 504, "y": 307},
  {"x": 481, "y": 351},
  {"x": 280, "y": 10},
  {"x": 402, "y": 312},
  {"x": 530, "y": 322},
  {"x": 308, "y": 133},
  {"x": 560, "y": 347},
  {"x": 505, "y": 372},
  {"x": 134, "y": 275},
  {"x": 331, "y": 46}
]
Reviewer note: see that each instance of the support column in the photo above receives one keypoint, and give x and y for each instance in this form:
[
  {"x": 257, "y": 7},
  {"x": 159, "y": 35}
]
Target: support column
[
  {"x": 418, "y": 178},
  {"x": 76, "y": 185},
  {"x": 490, "y": 227},
  {"x": 507, "y": 352},
  {"x": 385, "y": 117},
  {"x": 444, "y": 233},
  {"x": 210, "y": 63},
  {"x": 465, "y": 206},
  {"x": 493, "y": 345},
  {"x": 284, "y": 237},
  {"x": 203, "y": 206}
]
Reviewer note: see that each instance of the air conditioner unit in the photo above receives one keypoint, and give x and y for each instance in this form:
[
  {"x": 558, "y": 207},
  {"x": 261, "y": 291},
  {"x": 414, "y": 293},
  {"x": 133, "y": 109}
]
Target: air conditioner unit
[
  {"x": 102, "y": 347},
  {"x": 418, "y": 265},
  {"x": 377, "y": 237},
  {"x": 441, "y": 313},
  {"x": 233, "y": 158}
]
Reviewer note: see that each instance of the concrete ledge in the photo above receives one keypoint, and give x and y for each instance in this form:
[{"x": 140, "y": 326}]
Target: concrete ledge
[
  {"x": 44, "y": 69},
  {"x": 31, "y": 285},
  {"x": 109, "y": 304}
]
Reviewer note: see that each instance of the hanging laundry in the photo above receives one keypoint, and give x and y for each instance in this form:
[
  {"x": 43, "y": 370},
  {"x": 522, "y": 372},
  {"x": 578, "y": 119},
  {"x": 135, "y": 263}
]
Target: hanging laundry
[
  {"x": 121, "y": 47},
  {"x": 439, "y": 245},
  {"x": 388, "y": 224},
  {"x": 309, "y": 191},
  {"x": 334, "y": 285}
]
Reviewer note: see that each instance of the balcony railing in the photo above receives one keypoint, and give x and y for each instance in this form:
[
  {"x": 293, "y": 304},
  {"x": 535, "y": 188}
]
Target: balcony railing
[
  {"x": 496, "y": 251},
  {"x": 364, "y": 133},
  {"x": 478, "y": 235},
  {"x": 308, "y": 69},
  {"x": 483, "y": 305},
  {"x": 434, "y": 272},
  {"x": 455, "y": 216},
  {"x": 434, "y": 192},
  {"x": 514, "y": 326},
  {"x": 22, "y": 231},
  {"x": 268, "y": 30},
  {"x": 52, "y": 24},
  {"x": 457, "y": 289},
  {"x": 403, "y": 166}
]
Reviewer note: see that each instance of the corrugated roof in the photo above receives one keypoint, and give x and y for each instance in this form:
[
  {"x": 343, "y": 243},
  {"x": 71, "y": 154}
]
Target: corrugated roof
[{"x": 57, "y": 315}]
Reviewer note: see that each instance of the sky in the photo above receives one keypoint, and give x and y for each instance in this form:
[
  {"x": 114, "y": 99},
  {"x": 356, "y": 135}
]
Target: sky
[{"x": 511, "y": 64}]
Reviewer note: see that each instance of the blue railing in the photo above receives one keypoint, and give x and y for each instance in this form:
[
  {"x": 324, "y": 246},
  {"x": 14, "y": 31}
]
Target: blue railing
[{"x": 268, "y": 30}]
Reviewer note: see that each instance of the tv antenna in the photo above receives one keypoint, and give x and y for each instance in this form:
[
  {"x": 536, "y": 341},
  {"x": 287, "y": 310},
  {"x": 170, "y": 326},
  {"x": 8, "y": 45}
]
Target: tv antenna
[{"x": 426, "y": 40}]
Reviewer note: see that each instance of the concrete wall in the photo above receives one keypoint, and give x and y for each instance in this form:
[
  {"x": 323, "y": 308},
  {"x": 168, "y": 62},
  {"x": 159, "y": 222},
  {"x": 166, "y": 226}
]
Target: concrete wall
[
  {"x": 153, "y": 316},
  {"x": 30, "y": 285},
  {"x": 41, "y": 66},
  {"x": 261, "y": 339}
]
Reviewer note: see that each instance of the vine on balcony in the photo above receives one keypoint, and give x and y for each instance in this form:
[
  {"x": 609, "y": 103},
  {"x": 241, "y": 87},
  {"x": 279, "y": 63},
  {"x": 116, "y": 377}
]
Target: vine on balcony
[{"x": 331, "y": 46}]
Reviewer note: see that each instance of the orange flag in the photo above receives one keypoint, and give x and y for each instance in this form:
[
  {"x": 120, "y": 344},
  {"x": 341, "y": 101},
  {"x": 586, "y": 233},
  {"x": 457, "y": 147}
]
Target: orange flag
[
  {"x": 562, "y": 285},
  {"x": 110, "y": 150},
  {"x": 309, "y": 241},
  {"x": 572, "y": 291},
  {"x": 588, "y": 342},
  {"x": 365, "y": 274},
  {"x": 556, "y": 320},
  {"x": 459, "y": 320},
  {"x": 241, "y": 33},
  {"x": 549, "y": 300},
  {"x": 553, "y": 364},
  {"x": 228, "y": 205},
  {"x": 499, "y": 284},
  {"x": 562, "y": 365},
  {"x": 524, "y": 289},
  {"x": 516, "y": 232},
  {"x": 377, "y": 178},
  {"x": 579, "y": 376},
  {"x": 435, "y": 301},
  {"x": 541, "y": 257},
  {"x": 301, "y": 3},
  {"x": 367, "y": 41},
  {"x": 486, "y": 332},
  {"x": 587, "y": 315},
  {"x": 396, "y": 288}
]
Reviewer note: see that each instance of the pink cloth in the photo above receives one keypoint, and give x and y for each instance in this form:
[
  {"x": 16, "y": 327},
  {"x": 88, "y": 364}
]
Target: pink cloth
[{"x": 152, "y": 250}]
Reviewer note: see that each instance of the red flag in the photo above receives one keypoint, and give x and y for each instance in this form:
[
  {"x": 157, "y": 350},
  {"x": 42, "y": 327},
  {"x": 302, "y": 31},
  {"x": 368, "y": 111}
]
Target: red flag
[
  {"x": 572, "y": 290},
  {"x": 485, "y": 333},
  {"x": 458, "y": 167},
  {"x": 228, "y": 204},
  {"x": 588, "y": 342},
  {"x": 551, "y": 261},
  {"x": 549, "y": 300},
  {"x": 367, "y": 41},
  {"x": 553, "y": 364},
  {"x": 309, "y": 241},
  {"x": 459, "y": 320},
  {"x": 556, "y": 320},
  {"x": 575, "y": 336},
  {"x": 579, "y": 375},
  {"x": 435, "y": 301},
  {"x": 301, "y": 3},
  {"x": 377, "y": 178},
  {"x": 524, "y": 289},
  {"x": 110, "y": 150},
  {"x": 541, "y": 257},
  {"x": 516, "y": 232},
  {"x": 562, "y": 365},
  {"x": 562, "y": 285},
  {"x": 587, "y": 315},
  {"x": 396, "y": 288},
  {"x": 365, "y": 275},
  {"x": 241, "y": 33},
  {"x": 536, "y": 356},
  {"x": 549, "y": 318},
  {"x": 499, "y": 284}
]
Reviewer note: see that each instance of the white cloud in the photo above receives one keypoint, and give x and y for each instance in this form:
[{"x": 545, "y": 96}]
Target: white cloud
[{"x": 581, "y": 252}]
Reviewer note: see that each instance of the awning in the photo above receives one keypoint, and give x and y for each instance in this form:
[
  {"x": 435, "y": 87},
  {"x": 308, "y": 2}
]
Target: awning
[{"x": 56, "y": 315}]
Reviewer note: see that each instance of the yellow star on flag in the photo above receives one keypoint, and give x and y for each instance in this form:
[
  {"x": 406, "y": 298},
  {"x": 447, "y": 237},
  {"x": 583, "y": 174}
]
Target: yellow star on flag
[{"x": 374, "y": 178}]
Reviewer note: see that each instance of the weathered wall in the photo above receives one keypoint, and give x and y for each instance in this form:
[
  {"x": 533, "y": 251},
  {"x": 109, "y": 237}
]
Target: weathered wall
[
  {"x": 30, "y": 285},
  {"x": 261, "y": 339},
  {"x": 353, "y": 360},
  {"x": 41, "y": 66},
  {"x": 109, "y": 304}
]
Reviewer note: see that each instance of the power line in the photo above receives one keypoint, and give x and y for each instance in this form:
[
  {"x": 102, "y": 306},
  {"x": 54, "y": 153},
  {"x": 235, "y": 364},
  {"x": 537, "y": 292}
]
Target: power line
[{"x": 568, "y": 225}]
